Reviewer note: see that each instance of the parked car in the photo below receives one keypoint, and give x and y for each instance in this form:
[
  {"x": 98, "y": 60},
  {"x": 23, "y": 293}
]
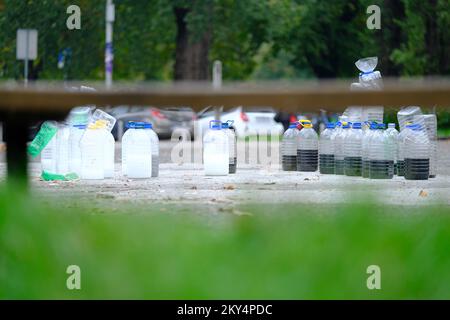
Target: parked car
[
  {"x": 164, "y": 120},
  {"x": 247, "y": 121}
]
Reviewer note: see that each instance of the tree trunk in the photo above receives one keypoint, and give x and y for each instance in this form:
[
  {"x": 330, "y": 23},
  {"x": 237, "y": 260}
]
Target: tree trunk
[{"x": 191, "y": 57}]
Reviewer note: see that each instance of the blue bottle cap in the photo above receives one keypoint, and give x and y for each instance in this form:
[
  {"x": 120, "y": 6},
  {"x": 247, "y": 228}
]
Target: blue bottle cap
[
  {"x": 293, "y": 125},
  {"x": 139, "y": 125},
  {"x": 80, "y": 126},
  {"x": 356, "y": 125},
  {"x": 225, "y": 125},
  {"x": 381, "y": 126},
  {"x": 331, "y": 125},
  {"x": 373, "y": 126},
  {"x": 215, "y": 125}
]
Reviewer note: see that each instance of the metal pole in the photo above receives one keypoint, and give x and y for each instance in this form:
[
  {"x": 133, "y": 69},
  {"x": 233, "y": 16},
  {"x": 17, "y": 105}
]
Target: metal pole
[
  {"x": 25, "y": 71},
  {"x": 109, "y": 53},
  {"x": 217, "y": 84}
]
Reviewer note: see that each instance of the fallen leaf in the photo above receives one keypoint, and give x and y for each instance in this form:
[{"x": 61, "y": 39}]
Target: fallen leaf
[
  {"x": 229, "y": 187},
  {"x": 423, "y": 194}
]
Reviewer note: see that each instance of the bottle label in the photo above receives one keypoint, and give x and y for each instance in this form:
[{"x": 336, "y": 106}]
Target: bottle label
[{"x": 43, "y": 137}]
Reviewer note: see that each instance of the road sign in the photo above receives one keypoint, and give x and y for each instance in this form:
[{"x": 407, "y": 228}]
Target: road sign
[
  {"x": 27, "y": 40},
  {"x": 26, "y": 49}
]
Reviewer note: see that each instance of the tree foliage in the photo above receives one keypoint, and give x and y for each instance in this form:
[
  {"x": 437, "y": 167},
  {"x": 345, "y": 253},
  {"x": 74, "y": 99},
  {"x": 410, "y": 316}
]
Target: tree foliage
[{"x": 253, "y": 38}]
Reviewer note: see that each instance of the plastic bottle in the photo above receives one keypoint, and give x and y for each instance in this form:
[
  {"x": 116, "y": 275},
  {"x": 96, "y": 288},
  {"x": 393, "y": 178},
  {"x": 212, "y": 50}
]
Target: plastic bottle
[
  {"x": 392, "y": 141},
  {"x": 353, "y": 151},
  {"x": 62, "y": 149},
  {"x": 76, "y": 133},
  {"x": 326, "y": 149},
  {"x": 216, "y": 153},
  {"x": 401, "y": 148},
  {"x": 137, "y": 151},
  {"x": 381, "y": 163},
  {"x": 289, "y": 148},
  {"x": 417, "y": 154},
  {"x": 155, "y": 150},
  {"x": 365, "y": 170},
  {"x": 92, "y": 153},
  {"x": 406, "y": 115},
  {"x": 231, "y": 145},
  {"x": 48, "y": 156},
  {"x": 109, "y": 151},
  {"x": 308, "y": 148},
  {"x": 430, "y": 123},
  {"x": 339, "y": 154}
]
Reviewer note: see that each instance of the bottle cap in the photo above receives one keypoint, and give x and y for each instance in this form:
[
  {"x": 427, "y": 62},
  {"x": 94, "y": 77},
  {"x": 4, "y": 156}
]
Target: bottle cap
[
  {"x": 139, "y": 125},
  {"x": 215, "y": 125},
  {"x": 381, "y": 126},
  {"x": 331, "y": 125},
  {"x": 356, "y": 125}
]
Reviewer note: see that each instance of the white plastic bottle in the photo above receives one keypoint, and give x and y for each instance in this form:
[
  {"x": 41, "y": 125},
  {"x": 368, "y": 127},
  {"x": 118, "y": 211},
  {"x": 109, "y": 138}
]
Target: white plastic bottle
[
  {"x": 92, "y": 153},
  {"x": 76, "y": 133},
  {"x": 215, "y": 150},
  {"x": 109, "y": 149},
  {"x": 137, "y": 151}
]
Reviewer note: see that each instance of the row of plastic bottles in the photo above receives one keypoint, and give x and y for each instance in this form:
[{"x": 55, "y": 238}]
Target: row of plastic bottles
[
  {"x": 357, "y": 149},
  {"x": 220, "y": 149}
]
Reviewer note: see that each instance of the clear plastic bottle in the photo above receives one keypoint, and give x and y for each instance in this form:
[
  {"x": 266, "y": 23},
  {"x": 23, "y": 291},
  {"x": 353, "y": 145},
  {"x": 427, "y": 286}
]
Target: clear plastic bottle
[
  {"x": 289, "y": 148},
  {"x": 137, "y": 151},
  {"x": 430, "y": 123},
  {"x": 392, "y": 141},
  {"x": 339, "y": 154},
  {"x": 401, "y": 148},
  {"x": 76, "y": 133},
  {"x": 326, "y": 149},
  {"x": 155, "y": 151},
  {"x": 406, "y": 115},
  {"x": 49, "y": 152},
  {"x": 308, "y": 148},
  {"x": 216, "y": 154},
  {"x": 353, "y": 151},
  {"x": 417, "y": 154},
  {"x": 381, "y": 163},
  {"x": 92, "y": 153},
  {"x": 365, "y": 171},
  {"x": 226, "y": 127}
]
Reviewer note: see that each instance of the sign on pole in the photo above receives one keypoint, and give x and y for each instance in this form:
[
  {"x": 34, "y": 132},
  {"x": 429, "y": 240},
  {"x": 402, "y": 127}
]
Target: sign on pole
[{"x": 26, "y": 49}]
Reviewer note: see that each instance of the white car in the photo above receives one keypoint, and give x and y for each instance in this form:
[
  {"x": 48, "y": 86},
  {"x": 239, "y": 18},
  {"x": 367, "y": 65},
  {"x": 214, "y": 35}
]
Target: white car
[{"x": 247, "y": 122}]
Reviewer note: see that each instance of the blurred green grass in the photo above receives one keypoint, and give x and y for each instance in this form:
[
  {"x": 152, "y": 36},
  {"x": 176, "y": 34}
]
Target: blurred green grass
[{"x": 265, "y": 252}]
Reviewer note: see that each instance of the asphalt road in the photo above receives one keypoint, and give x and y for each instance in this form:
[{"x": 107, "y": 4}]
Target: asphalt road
[{"x": 185, "y": 183}]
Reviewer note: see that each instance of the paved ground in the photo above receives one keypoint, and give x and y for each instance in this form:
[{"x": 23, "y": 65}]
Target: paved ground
[{"x": 180, "y": 184}]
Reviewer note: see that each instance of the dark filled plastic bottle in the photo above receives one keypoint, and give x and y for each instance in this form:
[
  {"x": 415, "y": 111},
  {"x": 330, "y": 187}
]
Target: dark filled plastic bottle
[
  {"x": 381, "y": 165},
  {"x": 289, "y": 148},
  {"x": 308, "y": 148},
  {"x": 339, "y": 153},
  {"x": 326, "y": 149},
  {"x": 232, "y": 144},
  {"x": 417, "y": 154},
  {"x": 353, "y": 151},
  {"x": 365, "y": 169}
]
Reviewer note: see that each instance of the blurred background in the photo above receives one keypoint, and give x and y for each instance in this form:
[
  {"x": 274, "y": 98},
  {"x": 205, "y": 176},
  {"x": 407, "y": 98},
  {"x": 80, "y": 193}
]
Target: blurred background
[{"x": 167, "y": 40}]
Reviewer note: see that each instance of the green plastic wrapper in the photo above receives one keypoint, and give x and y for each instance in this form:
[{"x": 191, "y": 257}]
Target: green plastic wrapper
[
  {"x": 47, "y": 176},
  {"x": 43, "y": 137}
]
